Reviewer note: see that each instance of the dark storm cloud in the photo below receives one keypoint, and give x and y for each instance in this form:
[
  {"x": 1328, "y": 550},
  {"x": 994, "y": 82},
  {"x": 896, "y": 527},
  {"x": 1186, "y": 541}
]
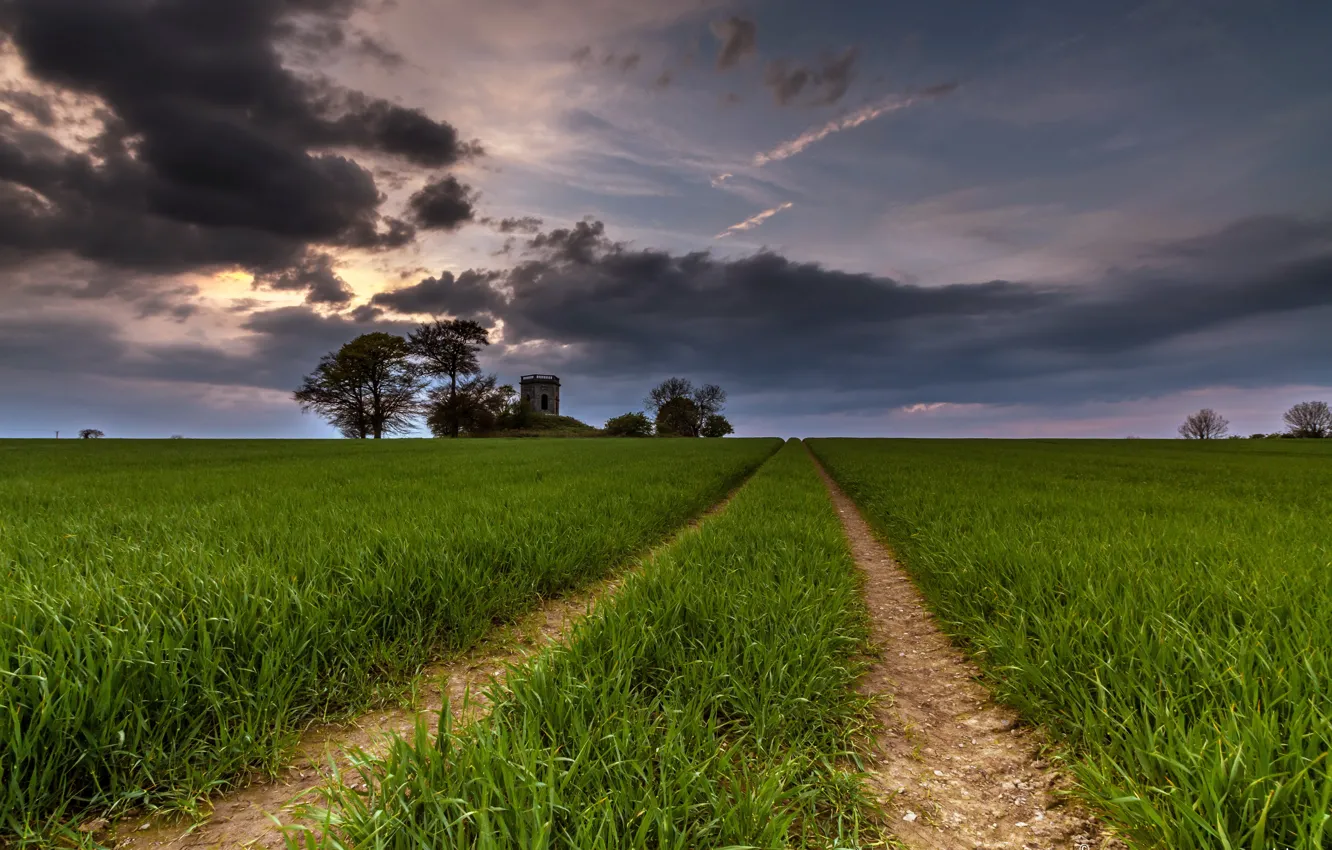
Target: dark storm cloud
[
  {"x": 628, "y": 311},
  {"x": 466, "y": 294},
  {"x": 444, "y": 204},
  {"x": 580, "y": 245},
  {"x": 315, "y": 275},
  {"x": 829, "y": 81},
  {"x": 213, "y": 153},
  {"x": 844, "y": 341},
  {"x": 738, "y": 37}
]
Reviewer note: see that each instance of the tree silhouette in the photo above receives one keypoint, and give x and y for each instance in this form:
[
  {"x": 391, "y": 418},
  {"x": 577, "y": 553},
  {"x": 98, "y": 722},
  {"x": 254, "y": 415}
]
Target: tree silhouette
[
  {"x": 449, "y": 349},
  {"x": 687, "y": 406},
  {"x": 717, "y": 426},
  {"x": 368, "y": 388},
  {"x": 1206, "y": 424},
  {"x": 1309, "y": 419}
]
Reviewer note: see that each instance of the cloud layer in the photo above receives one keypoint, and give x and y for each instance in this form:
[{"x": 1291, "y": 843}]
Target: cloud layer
[
  {"x": 1140, "y": 331},
  {"x": 209, "y": 151}
]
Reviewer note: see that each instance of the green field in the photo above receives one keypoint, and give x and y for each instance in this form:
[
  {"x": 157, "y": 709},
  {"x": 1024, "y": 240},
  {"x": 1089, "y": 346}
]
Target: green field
[
  {"x": 173, "y": 613},
  {"x": 1164, "y": 607},
  {"x": 703, "y": 706}
]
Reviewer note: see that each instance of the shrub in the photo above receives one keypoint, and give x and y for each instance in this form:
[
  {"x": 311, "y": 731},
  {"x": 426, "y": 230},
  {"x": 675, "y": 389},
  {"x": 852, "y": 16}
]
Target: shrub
[{"x": 634, "y": 424}]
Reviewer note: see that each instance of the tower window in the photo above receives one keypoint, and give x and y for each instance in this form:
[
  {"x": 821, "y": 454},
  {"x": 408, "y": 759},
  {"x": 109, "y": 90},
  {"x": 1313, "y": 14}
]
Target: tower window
[{"x": 545, "y": 402}]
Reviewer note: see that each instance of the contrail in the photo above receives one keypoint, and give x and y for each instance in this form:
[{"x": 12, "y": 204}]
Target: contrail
[
  {"x": 754, "y": 221},
  {"x": 846, "y": 122}
]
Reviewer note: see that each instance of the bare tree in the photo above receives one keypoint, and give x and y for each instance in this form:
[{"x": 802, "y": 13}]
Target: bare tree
[
  {"x": 1309, "y": 419},
  {"x": 368, "y": 388},
  {"x": 448, "y": 349},
  {"x": 1206, "y": 424},
  {"x": 90, "y": 434}
]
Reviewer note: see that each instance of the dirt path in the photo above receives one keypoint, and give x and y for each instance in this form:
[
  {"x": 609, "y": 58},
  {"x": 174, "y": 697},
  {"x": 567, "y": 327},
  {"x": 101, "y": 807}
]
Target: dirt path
[
  {"x": 244, "y": 818},
  {"x": 952, "y": 769}
]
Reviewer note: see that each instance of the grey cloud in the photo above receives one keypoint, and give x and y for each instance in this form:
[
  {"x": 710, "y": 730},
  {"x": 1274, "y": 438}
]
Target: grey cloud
[
  {"x": 664, "y": 80},
  {"x": 526, "y": 224},
  {"x": 738, "y": 37},
  {"x": 623, "y": 62},
  {"x": 785, "y": 82},
  {"x": 605, "y": 311},
  {"x": 829, "y": 81},
  {"x": 150, "y": 295},
  {"x": 836, "y": 74},
  {"x": 444, "y": 204},
  {"x": 36, "y": 106},
  {"x": 754, "y": 319},
  {"x": 940, "y": 89},
  {"x": 315, "y": 275},
  {"x": 466, "y": 294},
  {"x": 580, "y": 245},
  {"x": 285, "y": 344},
  {"x": 213, "y": 153},
  {"x": 378, "y": 51}
]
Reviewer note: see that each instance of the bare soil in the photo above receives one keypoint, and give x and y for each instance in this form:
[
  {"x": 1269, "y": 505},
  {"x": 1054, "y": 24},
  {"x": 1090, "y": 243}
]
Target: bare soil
[
  {"x": 249, "y": 817},
  {"x": 951, "y": 768}
]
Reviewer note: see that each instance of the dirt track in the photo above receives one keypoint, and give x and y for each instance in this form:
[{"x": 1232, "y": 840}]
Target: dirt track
[
  {"x": 245, "y": 818},
  {"x": 952, "y": 769}
]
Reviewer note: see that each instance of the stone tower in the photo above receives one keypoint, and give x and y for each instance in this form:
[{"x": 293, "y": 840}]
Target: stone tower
[{"x": 541, "y": 392}]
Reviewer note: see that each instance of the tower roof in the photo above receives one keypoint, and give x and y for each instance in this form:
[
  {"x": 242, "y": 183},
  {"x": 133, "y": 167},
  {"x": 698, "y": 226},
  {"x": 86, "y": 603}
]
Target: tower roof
[{"x": 539, "y": 379}]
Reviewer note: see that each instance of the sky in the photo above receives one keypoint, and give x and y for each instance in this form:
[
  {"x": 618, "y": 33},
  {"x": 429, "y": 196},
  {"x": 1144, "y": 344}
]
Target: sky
[{"x": 862, "y": 218}]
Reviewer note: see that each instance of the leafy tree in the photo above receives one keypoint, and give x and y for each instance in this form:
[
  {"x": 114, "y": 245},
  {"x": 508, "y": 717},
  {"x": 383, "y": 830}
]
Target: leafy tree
[
  {"x": 1309, "y": 419},
  {"x": 1206, "y": 424},
  {"x": 476, "y": 406},
  {"x": 678, "y": 418},
  {"x": 90, "y": 434},
  {"x": 368, "y": 388},
  {"x": 449, "y": 349},
  {"x": 685, "y": 420},
  {"x": 717, "y": 425},
  {"x": 634, "y": 424}
]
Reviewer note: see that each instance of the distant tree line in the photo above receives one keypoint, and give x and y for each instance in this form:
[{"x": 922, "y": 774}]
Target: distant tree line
[
  {"x": 679, "y": 409},
  {"x": 1306, "y": 420},
  {"x": 380, "y": 384}
]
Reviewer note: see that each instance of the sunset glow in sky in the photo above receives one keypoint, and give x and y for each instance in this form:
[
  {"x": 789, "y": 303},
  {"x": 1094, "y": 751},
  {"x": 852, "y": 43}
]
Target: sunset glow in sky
[{"x": 865, "y": 218}]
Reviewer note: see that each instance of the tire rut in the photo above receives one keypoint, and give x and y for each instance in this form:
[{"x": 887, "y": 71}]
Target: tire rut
[
  {"x": 951, "y": 768},
  {"x": 249, "y": 817}
]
